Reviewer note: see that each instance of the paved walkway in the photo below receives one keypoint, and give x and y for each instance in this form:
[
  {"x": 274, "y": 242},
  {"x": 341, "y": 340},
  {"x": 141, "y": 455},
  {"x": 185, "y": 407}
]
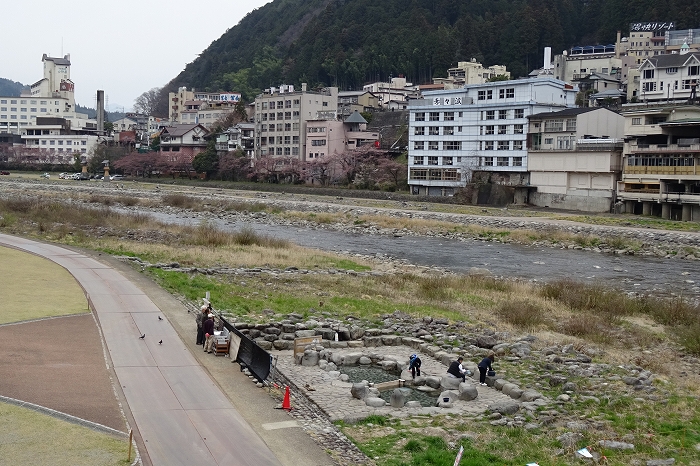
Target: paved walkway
[{"x": 181, "y": 416}]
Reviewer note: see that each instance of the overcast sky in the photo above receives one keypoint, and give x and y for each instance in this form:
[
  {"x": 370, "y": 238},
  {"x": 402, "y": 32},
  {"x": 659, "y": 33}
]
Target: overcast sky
[{"x": 125, "y": 47}]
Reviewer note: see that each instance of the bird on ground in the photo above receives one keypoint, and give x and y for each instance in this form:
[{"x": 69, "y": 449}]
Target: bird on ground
[
  {"x": 160, "y": 318},
  {"x": 142, "y": 336},
  {"x": 160, "y": 342}
]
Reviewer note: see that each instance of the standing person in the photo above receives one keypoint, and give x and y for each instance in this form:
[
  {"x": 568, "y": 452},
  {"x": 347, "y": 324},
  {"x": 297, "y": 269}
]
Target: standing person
[
  {"x": 456, "y": 368},
  {"x": 414, "y": 364},
  {"x": 208, "y": 327},
  {"x": 485, "y": 365},
  {"x": 201, "y": 317}
]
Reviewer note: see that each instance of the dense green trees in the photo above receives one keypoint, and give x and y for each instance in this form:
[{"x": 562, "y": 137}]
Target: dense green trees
[{"x": 350, "y": 42}]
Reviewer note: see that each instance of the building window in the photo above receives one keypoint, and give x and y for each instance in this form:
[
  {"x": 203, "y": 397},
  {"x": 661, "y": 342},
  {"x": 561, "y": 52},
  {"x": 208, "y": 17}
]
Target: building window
[
  {"x": 488, "y": 161},
  {"x": 491, "y": 115},
  {"x": 487, "y": 129},
  {"x": 502, "y": 129},
  {"x": 272, "y": 116},
  {"x": 672, "y": 70},
  {"x": 501, "y": 93},
  {"x": 502, "y": 114},
  {"x": 553, "y": 125},
  {"x": 280, "y": 126},
  {"x": 433, "y": 130},
  {"x": 648, "y": 74},
  {"x": 517, "y": 145},
  {"x": 503, "y": 145},
  {"x": 452, "y": 145},
  {"x": 418, "y": 145},
  {"x": 434, "y": 116},
  {"x": 517, "y": 161},
  {"x": 693, "y": 70},
  {"x": 447, "y": 160},
  {"x": 449, "y": 116},
  {"x": 295, "y": 115},
  {"x": 432, "y": 160},
  {"x": 571, "y": 124},
  {"x": 433, "y": 145},
  {"x": 649, "y": 87},
  {"x": 318, "y": 142},
  {"x": 489, "y": 95},
  {"x": 510, "y": 93},
  {"x": 287, "y": 126},
  {"x": 502, "y": 161},
  {"x": 420, "y": 116},
  {"x": 517, "y": 129},
  {"x": 549, "y": 141},
  {"x": 287, "y": 151},
  {"x": 565, "y": 142},
  {"x": 295, "y": 151},
  {"x": 419, "y": 131},
  {"x": 448, "y": 130},
  {"x": 419, "y": 174},
  {"x": 488, "y": 145},
  {"x": 287, "y": 139},
  {"x": 287, "y": 115},
  {"x": 287, "y": 104},
  {"x": 637, "y": 121},
  {"x": 295, "y": 139},
  {"x": 418, "y": 160},
  {"x": 481, "y": 95},
  {"x": 519, "y": 113}
]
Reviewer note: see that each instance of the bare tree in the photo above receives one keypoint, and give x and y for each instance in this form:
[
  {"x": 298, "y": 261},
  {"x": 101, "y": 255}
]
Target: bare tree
[{"x": 149, "y": 103}]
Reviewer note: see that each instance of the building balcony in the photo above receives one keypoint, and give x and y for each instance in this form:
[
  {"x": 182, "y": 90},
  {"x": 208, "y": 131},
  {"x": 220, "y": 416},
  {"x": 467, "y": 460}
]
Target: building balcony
[
  {"x": 659, "y": 171},
  {"x": 664, "y": 148}
]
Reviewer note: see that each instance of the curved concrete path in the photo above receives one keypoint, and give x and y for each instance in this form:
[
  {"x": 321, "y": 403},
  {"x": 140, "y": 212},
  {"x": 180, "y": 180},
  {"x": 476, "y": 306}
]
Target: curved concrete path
[{"x": 181, "y": 415}]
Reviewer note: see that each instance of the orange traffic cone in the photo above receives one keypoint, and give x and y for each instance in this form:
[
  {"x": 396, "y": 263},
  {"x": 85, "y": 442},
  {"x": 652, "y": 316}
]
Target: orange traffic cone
[{"x": 287, "y": 403}]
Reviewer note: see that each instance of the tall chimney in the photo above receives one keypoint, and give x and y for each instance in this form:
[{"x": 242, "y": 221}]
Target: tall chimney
[
  {"x": 100, "y": 112},
  {"x": 618, "y": 44},
  {"x": 547, "y": 59}
]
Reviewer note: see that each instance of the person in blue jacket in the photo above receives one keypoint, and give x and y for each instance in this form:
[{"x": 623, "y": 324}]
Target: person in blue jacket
[
  {"x": 414, "y": 364},
  {"x": 485, "y": 365}
]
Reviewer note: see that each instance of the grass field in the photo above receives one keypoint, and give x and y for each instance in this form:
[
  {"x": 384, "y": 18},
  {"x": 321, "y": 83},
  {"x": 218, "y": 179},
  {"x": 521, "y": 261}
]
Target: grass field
[
  {"x": 26, "y": 436},
  {"x": 33, "y": 288}
]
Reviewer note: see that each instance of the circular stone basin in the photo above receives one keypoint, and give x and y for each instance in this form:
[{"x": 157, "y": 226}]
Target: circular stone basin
[{"x": 376, "y": 375}]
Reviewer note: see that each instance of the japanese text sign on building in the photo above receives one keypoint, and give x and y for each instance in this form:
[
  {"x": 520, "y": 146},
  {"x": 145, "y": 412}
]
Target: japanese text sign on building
[
  {"x": 650, "y": 27},
  {"x": 447, "y": 101}
]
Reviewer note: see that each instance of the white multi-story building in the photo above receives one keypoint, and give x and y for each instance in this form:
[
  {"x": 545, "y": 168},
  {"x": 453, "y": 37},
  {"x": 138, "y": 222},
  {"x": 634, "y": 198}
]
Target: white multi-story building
[
  {"x": 669, "y": 77},
  {"x": 453, "y": 133},
  {"x": 281, "y": 115},
  {"x": 46, "y": 118}
]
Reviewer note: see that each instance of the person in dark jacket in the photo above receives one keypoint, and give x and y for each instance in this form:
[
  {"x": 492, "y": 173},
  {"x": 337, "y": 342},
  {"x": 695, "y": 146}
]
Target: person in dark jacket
[
  {"x": 485, "y": 365},
  {"x": 456, "y": 369},
  {"x": 414, "y": 364},
  {"x": 201, "y": 317},
  {"x": 208, "y": 327}
]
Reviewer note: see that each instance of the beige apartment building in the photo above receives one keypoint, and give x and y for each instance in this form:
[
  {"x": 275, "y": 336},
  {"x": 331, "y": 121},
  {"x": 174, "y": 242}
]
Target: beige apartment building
[
  {"x": 470, "y": 72},
  {"x": 660, "y": 175},
  {"x": 281, "y": 117},
  {"x": 329, "y": 137},
  {"x": 575, "y": 158}
]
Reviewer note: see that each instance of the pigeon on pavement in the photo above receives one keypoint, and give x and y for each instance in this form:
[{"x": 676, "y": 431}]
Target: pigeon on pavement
[
  {"x": 160, "y": 342},
  {"x": 142, "y": 336},
  {"x": 160, "y": 318}
]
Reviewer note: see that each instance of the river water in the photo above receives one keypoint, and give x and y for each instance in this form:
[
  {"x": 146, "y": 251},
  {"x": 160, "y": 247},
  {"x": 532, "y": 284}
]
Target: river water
[{"x": 646, "y": 275}]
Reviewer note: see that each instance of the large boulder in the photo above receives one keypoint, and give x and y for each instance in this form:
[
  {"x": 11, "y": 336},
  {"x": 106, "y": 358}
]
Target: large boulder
[
  {"x": 446, "y": 399},
  {"x": 485, "y": 341},
  {"x": 310, "y": 358},
  {"x": 375, "y": 402},
  {"x": 398, "y": 399},
  {"x": 359, "y": 391},
  {"x": 305, "y": 333},
  {"x": 467, "y": 392},
  {"x": 352, "y": 359},
  {"x": 530, "y": 395},
  {"x": 365, "y": 361},
  {"x": 450, "y": 383},
  {"x": 505, "y": 408},
  {"x": 433, "y": 381}
]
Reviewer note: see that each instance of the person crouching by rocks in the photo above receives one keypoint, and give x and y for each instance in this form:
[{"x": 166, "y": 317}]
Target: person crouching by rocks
[
  {"x": 414, "y": 364},
  {"x": 201, "y": 317},
  {"x": 485, "y": 365},
  {"x": 208, "y": 327},
  {"x": 456, "y": 369}
]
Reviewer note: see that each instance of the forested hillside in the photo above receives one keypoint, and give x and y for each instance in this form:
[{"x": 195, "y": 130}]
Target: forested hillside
[
  {"x": 11, "y": 88},
  {"x": 350, "y": 42}
]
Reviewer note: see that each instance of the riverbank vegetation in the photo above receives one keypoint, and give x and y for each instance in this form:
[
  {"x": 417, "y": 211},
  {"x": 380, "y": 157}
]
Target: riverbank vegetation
[{"x": 651, "y": 333}]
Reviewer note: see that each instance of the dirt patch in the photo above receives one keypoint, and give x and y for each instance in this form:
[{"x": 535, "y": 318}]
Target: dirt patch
[{"x": 59, "y": 364}]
